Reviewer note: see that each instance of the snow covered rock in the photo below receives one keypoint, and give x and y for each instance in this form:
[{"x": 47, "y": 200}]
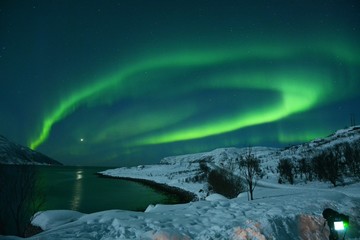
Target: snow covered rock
[
  {"x": 54, "y": 218},
  {"x": 215, "y": 197}
]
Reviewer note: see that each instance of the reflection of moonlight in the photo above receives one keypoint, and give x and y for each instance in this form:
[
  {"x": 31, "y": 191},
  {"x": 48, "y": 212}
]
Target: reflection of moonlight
[
  {"x": 79, "y": 174},
  {"x": 75, "y": 202}
]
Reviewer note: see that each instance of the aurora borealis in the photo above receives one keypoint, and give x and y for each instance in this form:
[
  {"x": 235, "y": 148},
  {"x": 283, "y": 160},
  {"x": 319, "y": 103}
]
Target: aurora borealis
[{"x": 129, "y": 82}]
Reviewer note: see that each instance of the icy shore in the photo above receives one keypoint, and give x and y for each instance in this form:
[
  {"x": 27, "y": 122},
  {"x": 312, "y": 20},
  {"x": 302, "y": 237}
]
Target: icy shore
[{"x": 284, "y": 213}]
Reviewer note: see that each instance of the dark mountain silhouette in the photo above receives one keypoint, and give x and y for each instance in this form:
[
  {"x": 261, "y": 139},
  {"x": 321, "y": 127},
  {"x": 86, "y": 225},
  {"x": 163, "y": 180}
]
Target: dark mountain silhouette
[{"x": 12, "y": 153}]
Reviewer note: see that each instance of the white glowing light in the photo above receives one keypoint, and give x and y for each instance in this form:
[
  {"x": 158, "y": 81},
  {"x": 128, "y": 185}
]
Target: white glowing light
[
  {"x": 79, "y": 175},
  {"x": 339, "y": 225},
  {"x": 81, "y": 139}
]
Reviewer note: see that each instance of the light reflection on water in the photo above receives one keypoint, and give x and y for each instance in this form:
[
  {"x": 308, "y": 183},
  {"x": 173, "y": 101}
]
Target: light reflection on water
[
  {"x": 75, "y": 202},
  {"x": 79, "y": 174},
  {"x": 81, "y": 189}
]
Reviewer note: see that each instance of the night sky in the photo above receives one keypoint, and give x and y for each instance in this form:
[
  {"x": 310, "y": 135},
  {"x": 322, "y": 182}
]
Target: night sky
[{"x": 118, "y": 83}]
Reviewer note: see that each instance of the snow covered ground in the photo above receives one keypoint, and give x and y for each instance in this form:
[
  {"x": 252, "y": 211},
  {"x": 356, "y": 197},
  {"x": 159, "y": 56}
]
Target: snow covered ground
[{"x": 277, "y": 212}]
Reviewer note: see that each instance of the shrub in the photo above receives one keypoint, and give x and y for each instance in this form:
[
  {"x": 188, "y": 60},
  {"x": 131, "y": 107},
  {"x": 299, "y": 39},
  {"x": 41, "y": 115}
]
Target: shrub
[
  {"x": 286, "y": 170},
  {"x": 225, "y": 183},
  {"x": 352, "y": 159},
  {"x": 327, "y": 167},
  {"x": 304, "y": 168},
  {"x": 20, "y": 197}
]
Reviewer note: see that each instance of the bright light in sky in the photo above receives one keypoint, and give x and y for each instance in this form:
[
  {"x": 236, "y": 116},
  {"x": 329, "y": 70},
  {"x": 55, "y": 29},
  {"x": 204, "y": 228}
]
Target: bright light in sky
[{"x": 142, "y": 85}]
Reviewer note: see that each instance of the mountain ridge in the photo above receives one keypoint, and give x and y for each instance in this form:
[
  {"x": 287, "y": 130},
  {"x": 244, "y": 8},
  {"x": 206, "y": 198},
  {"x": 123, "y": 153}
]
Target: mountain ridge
[
  {"x": 342, "y": 136},
  {"x": 182, "y": 171},
  {"x": 15, "y": 154}
]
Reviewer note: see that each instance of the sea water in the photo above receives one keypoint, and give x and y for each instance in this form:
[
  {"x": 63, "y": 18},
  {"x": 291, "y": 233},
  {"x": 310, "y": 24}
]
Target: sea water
[{"x": 81, "y": 189}]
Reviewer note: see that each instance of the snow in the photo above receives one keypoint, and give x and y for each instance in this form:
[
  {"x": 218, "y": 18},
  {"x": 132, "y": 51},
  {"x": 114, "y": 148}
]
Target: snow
[
  {"x": 54, "y": 218},
  {"x": 277, "y": 211},
  {"x": 174, "y": 175},
  {"x": 283, "y": 213},
  {"x": 215, "y": 197}
]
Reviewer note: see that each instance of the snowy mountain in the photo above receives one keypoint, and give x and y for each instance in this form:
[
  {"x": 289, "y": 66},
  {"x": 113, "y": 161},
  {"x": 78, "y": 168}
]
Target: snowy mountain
[
  {"x": 12, "y": 153},
  {"x": 223, "y": 156},
  {"x": 182, "y": 171}
]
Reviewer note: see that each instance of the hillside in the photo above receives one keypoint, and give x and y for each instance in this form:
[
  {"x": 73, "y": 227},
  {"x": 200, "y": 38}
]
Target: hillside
[
  {"x": 183, "y": 171},
  {"x": 12, "y": 153}
]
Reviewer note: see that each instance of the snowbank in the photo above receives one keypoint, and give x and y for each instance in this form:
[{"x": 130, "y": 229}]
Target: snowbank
[
  {"x": 292, "y": 213},
  {"x": 54, "y": 218}
]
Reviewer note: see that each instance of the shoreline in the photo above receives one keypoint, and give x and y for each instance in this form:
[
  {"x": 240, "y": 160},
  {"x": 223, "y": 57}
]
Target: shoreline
[{"x": 183, "y": 195}]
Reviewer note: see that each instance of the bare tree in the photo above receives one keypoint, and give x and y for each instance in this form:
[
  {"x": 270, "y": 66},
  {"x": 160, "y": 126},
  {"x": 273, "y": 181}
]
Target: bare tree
[
  {"x": 21, "y": 197},
  {"x": 304, "y": 168},
  {"x": 352, "y": 120},
  {"x": 352, "y": 158},
  {"x": 250, "y": 169},
  {"x": 327, "y": 166}
]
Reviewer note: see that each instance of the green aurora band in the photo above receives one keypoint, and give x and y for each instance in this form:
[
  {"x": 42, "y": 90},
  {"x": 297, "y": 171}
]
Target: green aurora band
[
  {"x": 295, "y": 99},
  {"x": 300, "y": 90}
]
